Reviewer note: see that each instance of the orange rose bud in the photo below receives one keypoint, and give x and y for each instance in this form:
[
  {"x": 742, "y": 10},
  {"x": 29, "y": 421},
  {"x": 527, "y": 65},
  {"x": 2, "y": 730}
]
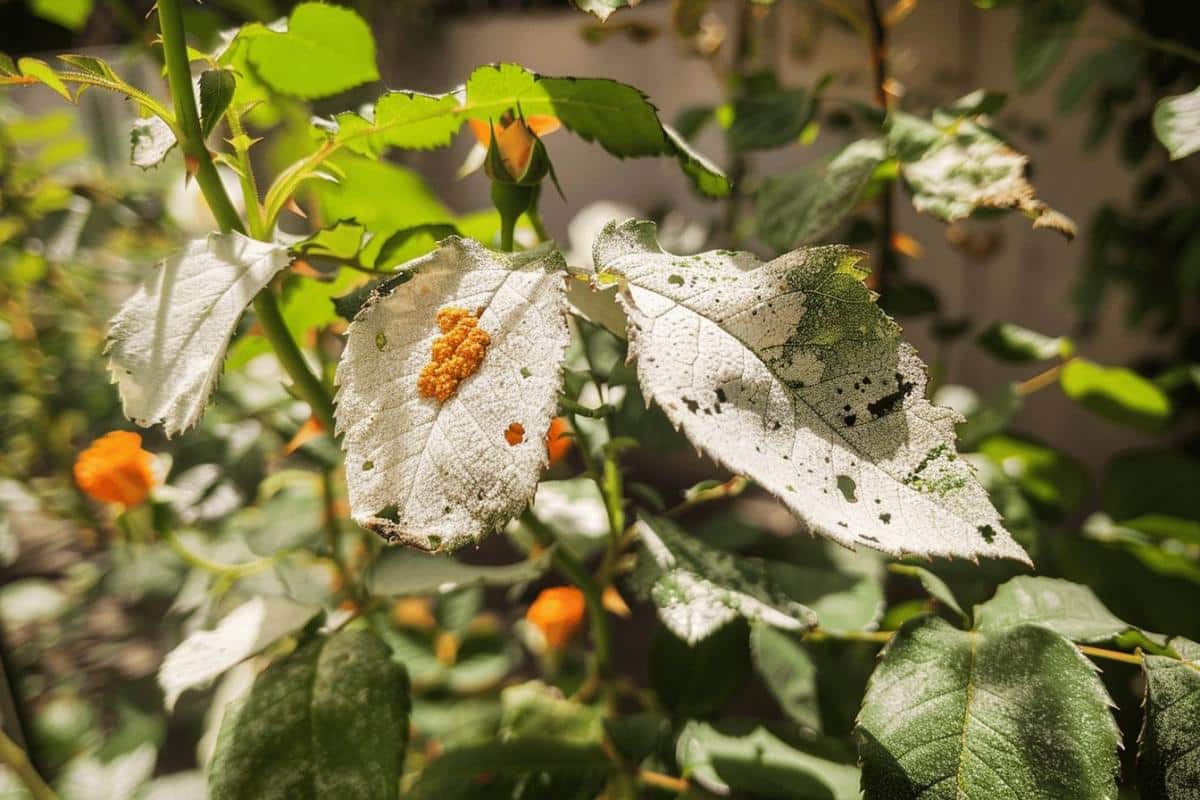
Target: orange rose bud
[
  {"x": 558, "y": 440},
  {"x": 558, "y": 614},
  {"x": 115, "y": 469}
]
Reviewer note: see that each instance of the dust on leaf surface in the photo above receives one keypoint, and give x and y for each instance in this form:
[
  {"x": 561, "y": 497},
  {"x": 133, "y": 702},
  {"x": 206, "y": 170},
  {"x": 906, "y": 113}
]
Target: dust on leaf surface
[
  {"x": 788, "y": 372},
  {"x": 698, "y": 588},
  {"x": 438, "y": 474},
  {"x": 1168, "y": 757},
  {"x": 168, "y": 341},
  {"x": 962, "y": 715}
]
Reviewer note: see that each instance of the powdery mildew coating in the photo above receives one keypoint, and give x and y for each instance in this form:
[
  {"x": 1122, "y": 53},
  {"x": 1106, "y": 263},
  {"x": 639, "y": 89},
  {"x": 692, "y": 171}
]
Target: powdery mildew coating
[
  {"x": 438, "y": 475},
  {"x": 787, "y": 372}
]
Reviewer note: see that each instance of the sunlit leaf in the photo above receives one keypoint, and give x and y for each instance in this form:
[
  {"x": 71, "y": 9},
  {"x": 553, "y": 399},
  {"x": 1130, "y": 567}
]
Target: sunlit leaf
[
  {"x": 1177, "y": 123},
  {"x": 71, "y": 14},
  {"x": 168, "y": 341},
  {"x": 1018, "y": 345},
  {"x": 1116, "y": 393},
  {"x": 438, "y": 473},
  {"x": 216, "y": 92},
  {"x": 1017, "y": 714},
  {"x": 1067, "y": 608},
  {"x": 1168, "y": 758},
  {"x": 1048, "y": 476},
  {"x": 325, "y": 50},
  {"x": 788, "y": 373},
  {"x": 401, "y": 572}
]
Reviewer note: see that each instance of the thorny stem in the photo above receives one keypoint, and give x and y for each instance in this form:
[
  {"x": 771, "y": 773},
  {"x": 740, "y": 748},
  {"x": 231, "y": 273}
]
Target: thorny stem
[
  {"x": 191, "y": 141},
  {"x": 888, "y": 264},
  {"x": 17, "y": 761},
  {"x": 575, "y": 572}
]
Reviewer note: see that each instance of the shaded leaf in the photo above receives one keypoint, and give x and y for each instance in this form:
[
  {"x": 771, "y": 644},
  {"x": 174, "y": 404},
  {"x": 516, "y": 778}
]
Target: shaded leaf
[
  {"x": 535, "y": 709},
  {"x": 788, "y": 373},
  {"x": 1152, "y": 481},
  {"x": 168, "y": 341},
  {"x": 698, "y": 679},
  {"x": 936, "y": 587},
  {"x": 698, "y": 589},
  {"x": 602, "y": 9},
  {"x": 1014, "y": 715},
  {"x": 1048, "y": 476},
  {"x": 788, "y": 672},
  {"x": 1168, "y": 758},
  {"x": 769, "y": 119},
  {"x": 329, "y": 720},
  {"x": 437, "y": 474},
  {"x": 1018, "y": 345},
  {"x": 402, "y": 572},
  {"x": 1067, "y": 608},
  {"x": 485, "y": 769},
  {"x": 216, "y": 91},
  {"x": 1045, "y": 30}
]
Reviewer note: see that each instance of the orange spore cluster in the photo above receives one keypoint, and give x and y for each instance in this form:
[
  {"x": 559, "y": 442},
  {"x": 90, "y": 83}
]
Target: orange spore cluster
[
  {"x": 115, "y": 469},
  {"x": 456, "y": 354},
  {"x": 514, "y": 434}
]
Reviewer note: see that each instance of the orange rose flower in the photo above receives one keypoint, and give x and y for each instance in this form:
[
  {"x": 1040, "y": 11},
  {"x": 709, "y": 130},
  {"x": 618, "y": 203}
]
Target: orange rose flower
[
  {"x": 115, "y": 469},
  {"x": 558, "y": 440},
  {"x": 558, "y": 614},
  {"x": 514, "y": 140}
]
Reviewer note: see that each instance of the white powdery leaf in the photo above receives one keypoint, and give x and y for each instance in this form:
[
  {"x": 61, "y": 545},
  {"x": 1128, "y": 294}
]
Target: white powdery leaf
[
  {"x": 246, "y": 630},
  {"x": 437, "y": 475},
  {"x": 167, "y": 343},
  {"x": 788, "y": 372},
  {"x": 698, "y": 589},
  {"x": 1177, "y": 123},
  {"x": 150, "y": 139}
]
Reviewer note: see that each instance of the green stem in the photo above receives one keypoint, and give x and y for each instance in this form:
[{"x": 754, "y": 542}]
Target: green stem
[
  {"x": 534, "y": 215},
  {"x": 194, "y": 559},
  {"x": 254, "y": 213},
  {"x": 576, "y": 573},
  {"x": 17, "y": 761},
  {"x": 333, "y": 534},
  {"x": 883, "y": 637},
  {"x": 191, "y": 141}
]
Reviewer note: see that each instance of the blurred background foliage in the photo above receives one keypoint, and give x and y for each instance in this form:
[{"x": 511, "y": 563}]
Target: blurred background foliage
[{"x": 88, "y": 608}]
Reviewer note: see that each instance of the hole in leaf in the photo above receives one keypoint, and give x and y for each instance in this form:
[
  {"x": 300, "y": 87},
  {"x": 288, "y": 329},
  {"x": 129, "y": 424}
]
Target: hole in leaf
[
  {"x": 885, "y": 518},
  {"x": 847, "y": 486}
]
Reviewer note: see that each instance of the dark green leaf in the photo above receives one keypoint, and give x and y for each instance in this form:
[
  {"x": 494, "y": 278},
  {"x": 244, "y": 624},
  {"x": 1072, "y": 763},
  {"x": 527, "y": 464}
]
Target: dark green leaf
[
  {"x": 1139, "y": 482},
  {"x": 1116, "y": 393},
  {"x": 1045, "y": 30},
  {"x": 393, "y": 249},
  {"x": 329, "y": 720},
  {"x": 1018, "y": 345},
  {"x": 788, "y": 672},
  {"x": 770, "y": 119},
  {"x": 325, "y": 50},
  {"x": 761, "y": 765},
  {"x": 216, "y": 90},
  {"x": 1014, "y": 715},
  {"x": 402, "y": 571},
  {"x": 1069, "y": 609},
  {"x": 935, "y": 586},
  {"x": 1168, "y": 756},
  {"x": 472, "y": 772},
  {"x": 1049, "y": 477},
  {"x": 690, "y": 121},
  {"x": 802, "y": 206},
  {"x": 698, "y": 680}
]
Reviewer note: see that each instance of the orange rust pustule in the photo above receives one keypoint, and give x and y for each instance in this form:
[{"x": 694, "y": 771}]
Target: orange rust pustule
[
  {"x": 456, "y": 354},
  {"x": 515, "y": 434}
]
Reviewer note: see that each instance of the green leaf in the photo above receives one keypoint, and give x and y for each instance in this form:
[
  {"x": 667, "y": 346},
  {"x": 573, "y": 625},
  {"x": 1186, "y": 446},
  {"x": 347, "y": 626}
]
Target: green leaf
[
  {"x": 395, "y": 247},
  {"x": 216, "y": 90},
  {"x": 1045, "y": 30},
  {"x": 1018, "y": 345},
  {"x": 955, "y": 166},
  {"x": 761, "y": 765},
  {"x": 406, "y": 572},
  {"x": 1017, "y": 714},
  {"x": 697, "y": 680},
  {"x": 34, "y": 68},
  {"x": 1116, "y": 393},
  {"x": 937, "y": 588},
  {"x": 1164, "y": 526},
  {"x": 535, "y": 709},
  {"x": 1069, "y": 609},
  {"x": 1177, "y": 123},
  {"x": 1152, "y": 481},
  {"x": 789, "y": 673},
  {"x": 769, "y": 119},
  {"x": 93, "y": 66},
  {"x": 698, "y": 589},
  {"x": 325, "y": 50},
  {"x": 486, "y": 770},
  {"x": 408, "y": 120},
  {"x": 1049, "y": 477},
  {"x": 802, "y": 206},
  {"x": 788, "y": 373},
  {"x": 845, "y": 592},
  {"x": 330, "y": 719},
  {"x": 71, "y": 14},
  {"x": 1168, "y": 758}
]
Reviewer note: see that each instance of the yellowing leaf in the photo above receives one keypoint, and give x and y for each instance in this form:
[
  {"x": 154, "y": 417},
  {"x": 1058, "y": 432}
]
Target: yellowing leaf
[
  {"x": 788, "y": 373},
  {"x": 438, "y": 474}
]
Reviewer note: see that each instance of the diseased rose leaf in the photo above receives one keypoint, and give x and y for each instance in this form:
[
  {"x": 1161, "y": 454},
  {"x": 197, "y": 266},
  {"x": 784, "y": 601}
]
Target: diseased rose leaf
[
  {"x": 150, "y": 139},
  {"x": 955, "y": 166},
  {"x": 1177, "y": 123},
  {"x": 440, "y": 474},
  {"x": 787, "y": 372},
  {"x": 1168, "y": 757},
  {"x": 168, "y": 341},
  {"x": 698, "y": 588}
]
